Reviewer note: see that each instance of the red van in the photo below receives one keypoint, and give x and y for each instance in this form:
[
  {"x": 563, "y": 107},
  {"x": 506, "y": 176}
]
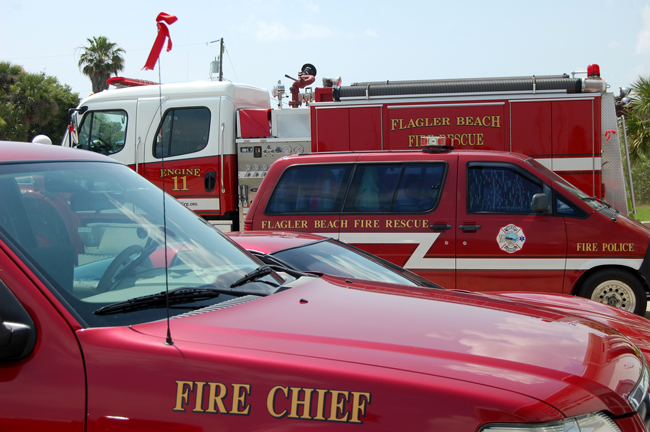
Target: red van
[{"x": 471, "y": 220}]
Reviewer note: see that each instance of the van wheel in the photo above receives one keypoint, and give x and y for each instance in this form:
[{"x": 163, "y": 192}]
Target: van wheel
[{"x": 616, "y": 288}]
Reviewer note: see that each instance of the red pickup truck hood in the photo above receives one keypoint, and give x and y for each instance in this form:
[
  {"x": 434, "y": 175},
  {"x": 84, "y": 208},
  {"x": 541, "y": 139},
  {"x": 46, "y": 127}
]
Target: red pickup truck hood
[{"x": 539, "y": 352}]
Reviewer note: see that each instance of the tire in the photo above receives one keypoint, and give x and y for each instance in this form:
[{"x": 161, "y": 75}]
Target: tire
[{"x": 618, "y": 288}]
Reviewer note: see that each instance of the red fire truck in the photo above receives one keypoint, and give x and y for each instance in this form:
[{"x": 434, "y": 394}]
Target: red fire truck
[
  {"x": 120, "y": 310},
  {"x": 213, "y": 141}
]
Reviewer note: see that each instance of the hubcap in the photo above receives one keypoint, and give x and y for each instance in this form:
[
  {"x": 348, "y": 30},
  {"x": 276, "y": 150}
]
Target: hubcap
[{"x": 615, "y": 293}]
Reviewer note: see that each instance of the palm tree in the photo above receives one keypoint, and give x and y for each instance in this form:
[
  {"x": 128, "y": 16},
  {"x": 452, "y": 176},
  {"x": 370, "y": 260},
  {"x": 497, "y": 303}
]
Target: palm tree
[
  {"x": 99, "y": 60},
  {"x": 637, "y": 119}
]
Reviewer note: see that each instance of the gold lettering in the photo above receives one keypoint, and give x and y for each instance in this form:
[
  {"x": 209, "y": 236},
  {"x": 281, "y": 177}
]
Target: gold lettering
[
  {"x": 359, "y": 401},
  {"x": 344, "y": 223},
  {"x": 270, "y": 401},
  {"x": 295, "y": 401},
  {"x": 320, "y": 404},
  {"x": 240, "y": 391},
  {"x": 419, "y": 122},
  {"x": 216, "y": 398},
  {"x": 199, "y": 397},
  {"x": 182, "y": 394},
  {"x": 339, "y": 398},
  {"x": 389, "y": 224},
  {"x": 460, "y": 121}
]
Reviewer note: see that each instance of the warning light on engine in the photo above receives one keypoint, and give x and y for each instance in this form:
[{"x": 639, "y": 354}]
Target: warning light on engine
[{"x": 593, "y": 71}]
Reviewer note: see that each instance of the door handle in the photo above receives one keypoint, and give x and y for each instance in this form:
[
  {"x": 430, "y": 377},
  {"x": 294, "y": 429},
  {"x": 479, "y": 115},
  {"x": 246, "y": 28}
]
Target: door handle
[
  {"x": 439, "y": 227},
  {"x": 470, "y": 227}
]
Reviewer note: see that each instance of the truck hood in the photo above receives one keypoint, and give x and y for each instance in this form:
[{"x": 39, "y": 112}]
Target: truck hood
[{"x": 535, "y": 351}]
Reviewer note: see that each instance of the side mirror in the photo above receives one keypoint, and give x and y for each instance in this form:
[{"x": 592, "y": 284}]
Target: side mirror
[
  {"x": 16, "y": 340},
  {"x": 17, "y": 328},
  {"x": 539, "y": 203}
]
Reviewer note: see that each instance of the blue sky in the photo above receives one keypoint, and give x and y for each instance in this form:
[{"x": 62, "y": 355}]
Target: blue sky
[{"x": 357, "y": 40}]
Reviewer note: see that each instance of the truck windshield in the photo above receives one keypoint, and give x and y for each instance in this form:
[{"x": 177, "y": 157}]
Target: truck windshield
[
  {"x": 592, "y": 202},
  {"x": 98, "y": 234}
]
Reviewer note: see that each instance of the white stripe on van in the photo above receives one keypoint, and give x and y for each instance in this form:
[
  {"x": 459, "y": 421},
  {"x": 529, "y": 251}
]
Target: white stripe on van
[{"x": 426, "y": 240}]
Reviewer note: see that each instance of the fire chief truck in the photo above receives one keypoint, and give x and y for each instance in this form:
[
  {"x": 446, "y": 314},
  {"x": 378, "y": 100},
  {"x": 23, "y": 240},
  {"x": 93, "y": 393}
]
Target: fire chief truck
[
  {"x": 120, "y": 310},
  {"x": 213, "y": 142}
]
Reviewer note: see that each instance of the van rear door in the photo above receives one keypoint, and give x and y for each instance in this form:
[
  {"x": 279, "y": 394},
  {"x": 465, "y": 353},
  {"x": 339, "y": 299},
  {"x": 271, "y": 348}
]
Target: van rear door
[{"x": 502, "y": 244}]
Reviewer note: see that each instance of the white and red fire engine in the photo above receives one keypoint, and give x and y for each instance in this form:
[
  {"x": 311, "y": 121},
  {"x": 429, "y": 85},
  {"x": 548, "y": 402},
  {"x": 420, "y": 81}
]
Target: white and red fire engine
[{"x": 214, "y": 141}]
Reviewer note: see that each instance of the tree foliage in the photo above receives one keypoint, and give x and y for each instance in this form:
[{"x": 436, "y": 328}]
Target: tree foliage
[
  {"x": 99, "y": 60},
  {"x": 637, "y": 119},
  {"x": 32, "y": 104}
]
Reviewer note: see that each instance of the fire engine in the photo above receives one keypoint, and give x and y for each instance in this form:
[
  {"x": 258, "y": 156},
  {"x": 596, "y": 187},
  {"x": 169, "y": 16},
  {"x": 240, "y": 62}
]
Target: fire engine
[{"x": 214, "y": 141}]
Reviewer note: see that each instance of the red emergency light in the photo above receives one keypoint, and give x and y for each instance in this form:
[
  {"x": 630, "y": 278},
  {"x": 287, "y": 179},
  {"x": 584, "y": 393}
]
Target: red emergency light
[
  {"x": 436, "y": 143},
  {"x": 121, "y": 82},
  {"x": 593, "y": 71}
]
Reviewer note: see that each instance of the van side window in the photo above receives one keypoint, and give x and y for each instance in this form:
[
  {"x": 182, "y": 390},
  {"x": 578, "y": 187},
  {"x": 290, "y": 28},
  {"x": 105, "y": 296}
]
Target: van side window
[
  {"x": 183, "y": 131},
  {"x": 399, "y": 188},
  {"x": 373, "y": 188},
  {"x": 420, "y": 187},
  {"x": 499, "y": 189},
  {"x": 564, "y": 207},
  {"x": 310, "y": 189},
  {"x": 103, "y": 131}
]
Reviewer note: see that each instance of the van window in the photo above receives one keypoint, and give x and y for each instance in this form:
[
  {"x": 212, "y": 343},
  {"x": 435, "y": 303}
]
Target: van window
[
  {"x": 399, "y": 188},
  {"x": 183, "y": 131},
  {"x": 499, "y": 189},
  {"x": 564, "y": 207},
  {"x": 103, "y": 131},
  {"x": 310, "y": 189}
]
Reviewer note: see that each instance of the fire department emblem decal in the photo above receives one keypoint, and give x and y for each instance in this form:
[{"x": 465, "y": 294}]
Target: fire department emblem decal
[{"x": 511, "y": 238}]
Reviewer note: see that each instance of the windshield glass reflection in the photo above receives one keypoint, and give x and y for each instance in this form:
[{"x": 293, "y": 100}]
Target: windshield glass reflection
[{"x": 99, "y": 234}]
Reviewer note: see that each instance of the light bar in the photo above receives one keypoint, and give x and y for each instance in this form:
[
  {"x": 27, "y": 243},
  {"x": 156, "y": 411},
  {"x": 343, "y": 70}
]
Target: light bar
[{"x": 435, "y": 141}]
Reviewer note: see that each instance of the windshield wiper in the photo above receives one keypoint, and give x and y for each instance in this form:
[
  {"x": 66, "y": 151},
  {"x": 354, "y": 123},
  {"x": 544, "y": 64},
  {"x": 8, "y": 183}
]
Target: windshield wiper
[
  {"x": 258, "y": 273},
  {"x": 176, "y": 296},
  {"x": 265, "y": 270}
]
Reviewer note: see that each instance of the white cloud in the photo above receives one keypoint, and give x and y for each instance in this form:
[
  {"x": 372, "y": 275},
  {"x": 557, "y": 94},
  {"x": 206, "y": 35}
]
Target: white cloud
[
  {"x": 371, "y": 33},
  {"x": 643, "y": 39}
]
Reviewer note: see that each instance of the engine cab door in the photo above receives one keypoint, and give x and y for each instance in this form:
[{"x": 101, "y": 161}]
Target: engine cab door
[
  {"x": 502, "y": 243},
  {"x": 181, "y": 150}
]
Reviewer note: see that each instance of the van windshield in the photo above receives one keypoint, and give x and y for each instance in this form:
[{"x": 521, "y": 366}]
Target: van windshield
[{"x": 591, "y": 201}]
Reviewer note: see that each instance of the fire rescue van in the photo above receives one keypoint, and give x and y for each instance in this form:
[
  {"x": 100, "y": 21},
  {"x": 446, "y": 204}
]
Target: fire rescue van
[
  {"x": 121, "y": 310},
  {"x": 465, "y": 219},
  {"x": 213, "y": 142}
]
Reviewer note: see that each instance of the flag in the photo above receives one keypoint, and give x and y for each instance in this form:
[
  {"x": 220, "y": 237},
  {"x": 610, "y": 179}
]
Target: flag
[{"x": 163, "y": 33}]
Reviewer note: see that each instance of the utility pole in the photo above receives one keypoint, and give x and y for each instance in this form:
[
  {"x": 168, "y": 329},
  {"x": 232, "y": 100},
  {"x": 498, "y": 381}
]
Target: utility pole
[
  {"x": 221, "y": 61},
  {"x": 219, "y": 64}
]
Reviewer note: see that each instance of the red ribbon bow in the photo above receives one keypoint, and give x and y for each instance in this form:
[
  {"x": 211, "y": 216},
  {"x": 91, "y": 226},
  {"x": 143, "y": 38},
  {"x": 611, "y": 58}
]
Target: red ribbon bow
[
  {"x": 163, "y": 33},
  {"x": 608, "y": 133}
]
